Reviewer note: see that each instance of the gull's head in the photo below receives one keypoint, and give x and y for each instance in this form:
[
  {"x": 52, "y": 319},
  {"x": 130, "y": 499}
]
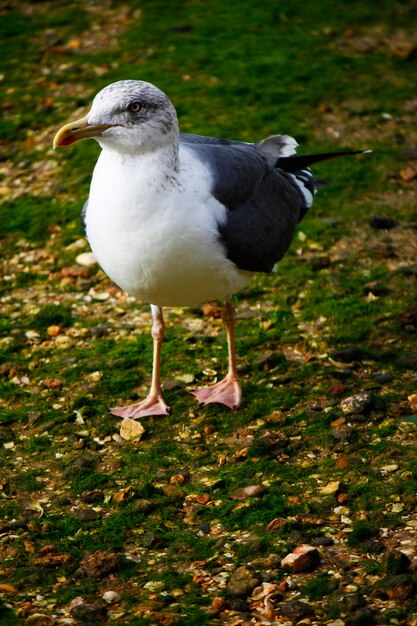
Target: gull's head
[{"x": 129, "y": 116}]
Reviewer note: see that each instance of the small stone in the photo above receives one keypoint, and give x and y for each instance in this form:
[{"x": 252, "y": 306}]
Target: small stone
[
  {"x": 344, "y": 461},
  {"x": 382, "y": 222},
  {"x": 86, "y": 515},
  {"x": 86, "y": 259},
  {"x": 373, "y": 546},
  {"x": 361, "y": 617},
  {"x": 98, "y": 564},
  {"x": 399, "y": 588},
  {"x": 53, "y": 331},
  {"x": 111, "y": 597},
  {"x": 408, "y": 361},
  {"x": 398, "y": 507},
  {"x": 90, "y": 497},
  {"x": 172, "y": 385},
  {"x": 323, "y": 541},
  {"x": 389, "y": 469},
  {"x": 38, "y": 619},
  {"x": 341, "y": 510},
  {"x": 252, "y": 491},
  {"x": 348, "y": 602},
  {"x": 89, "y": 613},
  {"x": 100, "y": 330},
  {"x": 396, "y": 563},
  {"x": 218, "y": 605},
  {"x": 143, "y": 506},
  {"x": 131, "y": 429},
  {"x": 63, "y": 342},
  {"x": 272, "y": 561},
  {"x": 383, "y": 378},
  {"x": 296, "y": 610},
  {"x": 303, "y": 559},
  {"x": 408, "y": 174},
  {"x": 357, "y": 403},
  {"x": 52, "y": 383},
  {"x": 347, "y": 355},
  {"x": 242, "y": 582}
]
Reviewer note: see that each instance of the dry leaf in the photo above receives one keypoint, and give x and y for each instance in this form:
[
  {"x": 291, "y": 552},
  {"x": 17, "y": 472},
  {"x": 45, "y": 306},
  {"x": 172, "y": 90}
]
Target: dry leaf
[
  {"x": 121, "y": 495},
  {"x": 7, "y": 588}
]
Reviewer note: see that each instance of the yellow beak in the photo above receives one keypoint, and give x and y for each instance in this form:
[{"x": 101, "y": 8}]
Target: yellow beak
[{"x": 80, "y": 129}]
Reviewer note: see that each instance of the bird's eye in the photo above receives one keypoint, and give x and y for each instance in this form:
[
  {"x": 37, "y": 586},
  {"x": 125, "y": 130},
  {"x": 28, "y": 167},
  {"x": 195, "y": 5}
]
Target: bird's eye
[{"x": 134, "y": 107}]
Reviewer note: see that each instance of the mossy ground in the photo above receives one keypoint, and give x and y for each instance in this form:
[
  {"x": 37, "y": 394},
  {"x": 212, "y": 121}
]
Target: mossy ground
[{"x": 334, "y": 75}]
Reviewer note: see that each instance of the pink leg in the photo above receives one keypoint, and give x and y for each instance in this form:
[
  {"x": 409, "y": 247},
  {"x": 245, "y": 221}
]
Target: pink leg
[
  {"x": 154, "y": 403},
  {"x": 228, "y": 390}
]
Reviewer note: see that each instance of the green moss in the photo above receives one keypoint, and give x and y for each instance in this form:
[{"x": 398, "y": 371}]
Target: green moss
[
  {"x": 51, "y": 314},
  {"x": 361, "y": 531}
]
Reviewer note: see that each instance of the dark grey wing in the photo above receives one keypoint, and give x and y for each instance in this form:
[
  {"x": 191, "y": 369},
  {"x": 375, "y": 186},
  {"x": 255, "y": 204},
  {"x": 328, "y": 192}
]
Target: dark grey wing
[
  {"x": 204, "y": 139},
  {"x": 264, "y": 204},
  {"x": 83, "y": 214}
]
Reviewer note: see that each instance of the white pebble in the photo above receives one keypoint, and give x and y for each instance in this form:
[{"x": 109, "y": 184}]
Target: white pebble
[{"x": 111, "y": 597}]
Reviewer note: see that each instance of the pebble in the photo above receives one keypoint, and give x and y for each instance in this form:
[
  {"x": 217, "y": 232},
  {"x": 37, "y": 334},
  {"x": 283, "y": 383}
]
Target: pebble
[
  {"x": 399, "y": 588},
  {"x": 357, "y": 403},
  {"x": 53, "y": 331},
  {"x": 89, "y": 613},
  {"x": 347, "y": 355},
  {"x": 341, "y": 510},
  {"x": 303, "y": 559},
  {"x": 131, "y": 429},
  {"x": 396, "y": 562},
  {"x": 296, "y": 610},
  {"x": 38, "y": 619},
  {"x": 111, "y": 597},
  {"x": 408, "y": 361},
  {"x": 218, "y": 605},
  {"x": 323, "y": 541},
  {"x": 361, "y": 617},
  {"x": 98, "y": 564},
  {"x": 86, "y": 259},
  {"x": 389, "y": 469},
  {"x": 63, "y": 342},
  {"x": 343, "y": 461},
  {"x": 383, "y": 378},
  {"x": 252, "y": 491},
  {"x": 86, "y": 515},
  {"x": 382, "y": 222},
  {"x": 348, "y": 602},
  {"x": 242, "y": 582}
]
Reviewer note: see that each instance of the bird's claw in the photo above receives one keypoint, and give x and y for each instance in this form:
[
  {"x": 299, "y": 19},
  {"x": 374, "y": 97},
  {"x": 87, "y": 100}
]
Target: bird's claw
[
  {"x": 227, "y": 392},
  {"x": 152, "y": 405}
]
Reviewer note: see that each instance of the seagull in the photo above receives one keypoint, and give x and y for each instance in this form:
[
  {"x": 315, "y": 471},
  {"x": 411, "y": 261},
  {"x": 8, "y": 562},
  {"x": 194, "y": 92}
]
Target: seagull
[{"x": 178, "y": 219}]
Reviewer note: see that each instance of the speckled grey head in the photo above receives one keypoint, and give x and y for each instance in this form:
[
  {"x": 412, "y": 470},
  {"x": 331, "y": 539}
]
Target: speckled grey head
[{"x": 141, "y": 115}]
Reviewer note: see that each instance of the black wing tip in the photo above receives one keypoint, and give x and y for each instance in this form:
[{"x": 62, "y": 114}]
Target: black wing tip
[{"x": 300, "y": 161}]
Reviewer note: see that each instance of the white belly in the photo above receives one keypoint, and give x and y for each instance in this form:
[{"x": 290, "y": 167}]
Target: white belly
[{"x": 158, "y": 244}]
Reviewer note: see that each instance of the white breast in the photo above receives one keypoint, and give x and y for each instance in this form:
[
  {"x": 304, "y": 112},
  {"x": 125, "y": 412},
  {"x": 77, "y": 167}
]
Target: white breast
[{"x": 156, "y": 236}]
